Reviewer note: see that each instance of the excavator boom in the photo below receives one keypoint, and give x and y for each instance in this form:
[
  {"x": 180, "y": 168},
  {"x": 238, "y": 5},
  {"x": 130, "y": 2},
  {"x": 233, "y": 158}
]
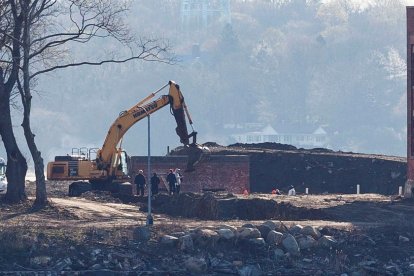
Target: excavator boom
[{"x": 109, "y": 164}]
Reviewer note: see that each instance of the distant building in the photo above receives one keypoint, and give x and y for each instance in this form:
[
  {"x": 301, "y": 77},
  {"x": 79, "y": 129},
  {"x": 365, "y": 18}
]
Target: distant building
[
  {"x": 200, "y": 13},
  {"x": 306, "y": 137}
]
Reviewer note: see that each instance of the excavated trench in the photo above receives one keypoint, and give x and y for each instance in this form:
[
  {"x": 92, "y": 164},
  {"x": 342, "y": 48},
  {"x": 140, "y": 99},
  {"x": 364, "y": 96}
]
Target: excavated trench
[
  {"x": 210, "y": 206},
  {"x": 273, "y": 165}
]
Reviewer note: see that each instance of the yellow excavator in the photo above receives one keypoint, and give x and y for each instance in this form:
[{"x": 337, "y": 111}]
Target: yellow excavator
[{"x": 110, "y": 168}]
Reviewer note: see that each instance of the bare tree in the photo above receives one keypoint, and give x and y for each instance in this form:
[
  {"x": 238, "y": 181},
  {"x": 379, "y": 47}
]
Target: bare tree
[
  {"x": 48, "y": 30},
  {"x": 9, "y": 69}
]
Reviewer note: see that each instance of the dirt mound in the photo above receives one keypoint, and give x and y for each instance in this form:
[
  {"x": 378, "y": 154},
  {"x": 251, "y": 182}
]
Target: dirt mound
[
  {"x": 267, "y": 145},
  {"x": 274, "y": 165}
]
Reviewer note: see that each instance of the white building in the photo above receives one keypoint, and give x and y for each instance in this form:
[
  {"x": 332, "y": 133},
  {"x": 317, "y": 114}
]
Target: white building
[{"x": 306, "y": 139}]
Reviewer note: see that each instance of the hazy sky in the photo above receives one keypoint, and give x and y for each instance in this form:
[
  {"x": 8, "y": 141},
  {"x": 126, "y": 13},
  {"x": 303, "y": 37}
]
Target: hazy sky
[{"x": 362, "y": 4}]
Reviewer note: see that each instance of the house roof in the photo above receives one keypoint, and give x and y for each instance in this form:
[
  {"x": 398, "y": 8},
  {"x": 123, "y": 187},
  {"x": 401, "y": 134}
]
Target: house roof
[
  {"x": 319, "y": 130},
  {"x": 269, "y": 130},
  {"x": 282, "y": 129}
]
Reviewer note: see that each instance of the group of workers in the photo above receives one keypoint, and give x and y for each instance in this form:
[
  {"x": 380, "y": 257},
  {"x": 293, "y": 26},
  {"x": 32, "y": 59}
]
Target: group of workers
[
  {"x": 174, "y": 179},
  {"x": 291, "y": 191}
]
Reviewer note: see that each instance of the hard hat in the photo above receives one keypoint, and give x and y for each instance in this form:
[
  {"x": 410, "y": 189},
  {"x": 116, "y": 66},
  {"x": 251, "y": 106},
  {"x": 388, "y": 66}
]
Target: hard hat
[{"x": 141, "y": 171}]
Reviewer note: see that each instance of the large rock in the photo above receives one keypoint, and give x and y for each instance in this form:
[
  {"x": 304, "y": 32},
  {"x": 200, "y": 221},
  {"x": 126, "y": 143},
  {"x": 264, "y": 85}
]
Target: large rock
[
  {"x": 306, "y": 242},
  {"x": 169, "y": 241},
  {"x": 226, "y": 234},
  {"x": 278, "y": 254},
  {"x": 186, "y": 243},
  {"x": 248, "y": 225},
  {"x": 311, "y": 231},
  {"x": 290, "y": 244},
  {"x": 195, "y": 265},
  {"x": 280, "y": 227},
  {"x": 271, "y": 224},
  {"x": 142, "y": 234},
  {"x": 327, "y": 241},
  {"x": 264, "y": 230},
  {"x": 257, "y": 242},
  {"x": 274, "y": 238},
  {"x": 296, "y": 229},
  {"x": 248, "y": 233},
  {"x": 205, "y": 237},
  {"x": 225, "y": 226}
]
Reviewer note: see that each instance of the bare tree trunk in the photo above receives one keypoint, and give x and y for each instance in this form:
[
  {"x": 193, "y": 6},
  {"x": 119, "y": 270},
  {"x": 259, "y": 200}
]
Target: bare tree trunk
[
  {"x": 16, "y": 163},
  {"x": 41, "y": 195},
  {"x": 26, "y": 97}
]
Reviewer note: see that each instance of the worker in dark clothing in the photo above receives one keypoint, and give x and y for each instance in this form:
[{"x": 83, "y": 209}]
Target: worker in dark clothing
[
  {"x": 171, "y": 179},
  {"x": 155, "y": 181},
  {"x": 140, "y": 182}
]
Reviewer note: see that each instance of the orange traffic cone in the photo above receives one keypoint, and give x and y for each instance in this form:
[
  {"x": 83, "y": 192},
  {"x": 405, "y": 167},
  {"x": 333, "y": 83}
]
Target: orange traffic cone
[
  {"x": 273, "y": 192},
  {"x": 245, "y": 192}
]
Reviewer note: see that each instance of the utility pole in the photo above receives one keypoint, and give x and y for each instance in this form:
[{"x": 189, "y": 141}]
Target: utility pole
[
  {"x": 150, "y": 220},
  {"x": 409, "y": 184}
]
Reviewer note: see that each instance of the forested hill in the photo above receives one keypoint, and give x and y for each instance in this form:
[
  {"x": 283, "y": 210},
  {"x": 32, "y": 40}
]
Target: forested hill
[{"x": 322, "y": 63}]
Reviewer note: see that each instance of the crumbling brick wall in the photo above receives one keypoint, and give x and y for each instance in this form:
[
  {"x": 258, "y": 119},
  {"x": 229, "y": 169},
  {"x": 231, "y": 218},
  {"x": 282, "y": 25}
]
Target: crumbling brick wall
[{"x": 214, "y": 172}]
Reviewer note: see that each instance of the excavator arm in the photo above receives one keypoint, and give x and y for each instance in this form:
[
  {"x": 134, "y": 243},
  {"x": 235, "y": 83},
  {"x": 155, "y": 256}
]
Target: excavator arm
[{"x": 110, "y": 149}]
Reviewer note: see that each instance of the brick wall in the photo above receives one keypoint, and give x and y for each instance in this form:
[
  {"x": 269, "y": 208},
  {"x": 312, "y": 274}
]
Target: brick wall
[{"x": 228, "y": 172}]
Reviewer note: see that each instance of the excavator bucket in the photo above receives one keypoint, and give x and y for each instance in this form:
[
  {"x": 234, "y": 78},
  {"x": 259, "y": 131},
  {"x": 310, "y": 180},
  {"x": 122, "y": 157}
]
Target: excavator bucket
[{"x": 194, "y": 153}]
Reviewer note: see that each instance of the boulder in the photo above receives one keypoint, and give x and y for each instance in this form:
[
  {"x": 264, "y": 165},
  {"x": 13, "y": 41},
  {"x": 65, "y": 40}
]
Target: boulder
[
  {"x": 248, "y": 225},
  {"x": 278, "y": 254},
  {"x": 178, "y": 234},
  {"x": 195, "y": 265},
  {"x": 186, "y": 243},
  {"x": 264, "y": 230},
  {"x": 225, "y": 226},
  {"x": 257, "y": 242},
  {"x": 290, "y": 244},
  {"x": 311, "y": 231},
  {"x": 327, "y": 241},
  {"x": 169, "y": 241},
  {"x": 271, "y": 224},
  {"x": 306, "y": 242},
  {"x": 226, "y": 234},
  {"x": 248, "y": 233},
  {"x": 274, "y": 238},
  {"x": 296, "y": 229},
  {"x": 205, "y": 237},
  {"x": 280, "y": 227},
  {"x": 403, "y": 239}
]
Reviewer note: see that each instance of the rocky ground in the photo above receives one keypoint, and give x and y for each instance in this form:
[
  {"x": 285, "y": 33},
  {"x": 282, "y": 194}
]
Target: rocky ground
[{"x": 100, "y": 234}]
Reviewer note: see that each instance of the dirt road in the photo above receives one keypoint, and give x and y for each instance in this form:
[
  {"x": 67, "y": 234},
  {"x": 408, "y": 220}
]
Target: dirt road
[{"x": 339, "y": 211}]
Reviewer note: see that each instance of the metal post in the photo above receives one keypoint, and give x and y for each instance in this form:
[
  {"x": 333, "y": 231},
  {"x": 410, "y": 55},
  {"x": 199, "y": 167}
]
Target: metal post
[
  {"x": 409, "y": 184},
  {"x": 150, "y": 220}
]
